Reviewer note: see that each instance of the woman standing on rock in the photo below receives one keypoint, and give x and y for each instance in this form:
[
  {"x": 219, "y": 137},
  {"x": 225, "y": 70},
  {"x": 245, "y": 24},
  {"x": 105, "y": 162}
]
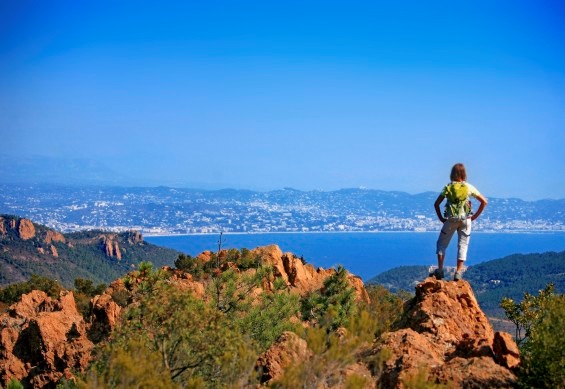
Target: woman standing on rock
[{"x": 457, "y": 216}]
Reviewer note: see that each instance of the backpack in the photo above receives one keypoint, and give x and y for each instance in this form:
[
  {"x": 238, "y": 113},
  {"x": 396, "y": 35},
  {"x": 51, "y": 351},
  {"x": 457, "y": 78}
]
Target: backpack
[{"x": 458, "y": 204}]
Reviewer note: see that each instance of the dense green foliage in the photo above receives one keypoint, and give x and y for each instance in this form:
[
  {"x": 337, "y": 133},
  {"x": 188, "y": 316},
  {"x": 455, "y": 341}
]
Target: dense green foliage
[
  {"x": 83, "y": 293},
  {"x": 262, "y": 317},
  {"x": 82, "y": 255},
  {"x": 540, "y": 330},
  {"x": 199, "y": 268},
  {"x": 14, "y": 384},
  {"x": 212, "y": 342},
  {"x": 12, "y": 293},
  {"x": 527, "y": 314},
  {"x": 543, "y": 356},
  {"x": 334, "y": 304},
  {"x": 189, "y": 339}
]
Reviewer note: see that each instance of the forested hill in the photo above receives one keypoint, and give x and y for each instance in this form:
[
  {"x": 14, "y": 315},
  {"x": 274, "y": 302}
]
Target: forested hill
[
  {"x": 510, "y": 276},
  {"x": 27, "y": 248}
]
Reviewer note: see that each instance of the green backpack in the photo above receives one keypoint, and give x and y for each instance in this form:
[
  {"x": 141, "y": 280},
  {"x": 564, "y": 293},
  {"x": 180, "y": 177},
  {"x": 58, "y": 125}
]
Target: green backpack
[{"x": 458, "y": 204}]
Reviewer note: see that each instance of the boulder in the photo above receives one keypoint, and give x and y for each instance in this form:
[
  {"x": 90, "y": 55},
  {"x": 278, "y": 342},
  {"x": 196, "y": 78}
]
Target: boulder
[
  {"x": 185, "y": 281},
  {"x": 42, "y": 340},
  {"x": 287, "y": 350},
  {"x": 53, "y": 236},
  {"x": 506, "y": 350},
  {"x": 103, "y": 318}
]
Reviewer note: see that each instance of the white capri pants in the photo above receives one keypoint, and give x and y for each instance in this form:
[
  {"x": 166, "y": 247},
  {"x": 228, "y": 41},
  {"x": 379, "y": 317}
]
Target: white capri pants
[{"x": 463, "y": 228}]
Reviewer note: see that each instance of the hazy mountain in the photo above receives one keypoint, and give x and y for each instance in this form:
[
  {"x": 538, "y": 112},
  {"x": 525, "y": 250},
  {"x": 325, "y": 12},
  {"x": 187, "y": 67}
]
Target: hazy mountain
[{"x": 71, "y": 171}]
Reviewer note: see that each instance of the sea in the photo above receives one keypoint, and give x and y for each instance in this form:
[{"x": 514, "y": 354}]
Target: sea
[{"x": 368, "y": 254}]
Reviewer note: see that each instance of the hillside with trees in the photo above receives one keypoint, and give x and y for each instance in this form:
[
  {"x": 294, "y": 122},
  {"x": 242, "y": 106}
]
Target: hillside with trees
[
  {"x": 510, "y": 277},
  {"x": 27, "y": 248}
]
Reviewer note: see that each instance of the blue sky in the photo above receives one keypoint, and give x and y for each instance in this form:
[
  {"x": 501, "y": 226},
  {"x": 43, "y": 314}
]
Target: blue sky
[{"x": 305, "y": 94}]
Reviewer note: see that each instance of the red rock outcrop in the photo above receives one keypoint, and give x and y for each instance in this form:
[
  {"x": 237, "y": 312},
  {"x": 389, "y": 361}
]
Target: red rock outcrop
[
  {"x": 287, "y": 350},
  {"x": 300, "y": 277},
  {"x": 26, "y": 230},
  {"x": 134, "y": 237},
  {"x": 42, "y": 340},
  {"x": 205, "y": 256},
  {"x": 111, "y": 246},
  {"x": 53, "y": 236},
  {"x": 53, "y": 251},
  {"x": 117, "y": 251},
  {"x": 506, "y": 350},
  {"x": 445, "y": 333},
  {"x": 185, "y": 281},
  {"x": 104, "y": 316},
  {"x": 2, "y": 227},
  {"x": 290, "y": 350}
]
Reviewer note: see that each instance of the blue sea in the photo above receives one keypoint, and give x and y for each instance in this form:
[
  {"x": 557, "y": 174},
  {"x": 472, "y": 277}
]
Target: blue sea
[{"x": 371, "y": 253}]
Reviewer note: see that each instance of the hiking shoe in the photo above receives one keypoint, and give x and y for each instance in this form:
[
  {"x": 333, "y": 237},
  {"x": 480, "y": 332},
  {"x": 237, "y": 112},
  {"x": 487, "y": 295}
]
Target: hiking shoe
[
  {"x": 438, "y": 274},
  {"x": 458, "y": 276}
]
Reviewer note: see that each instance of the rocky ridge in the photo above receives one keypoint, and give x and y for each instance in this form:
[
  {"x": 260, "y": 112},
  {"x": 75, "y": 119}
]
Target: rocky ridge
[
  {"x": 28, "y": 248},
  {"x": 443, "y": 333}
]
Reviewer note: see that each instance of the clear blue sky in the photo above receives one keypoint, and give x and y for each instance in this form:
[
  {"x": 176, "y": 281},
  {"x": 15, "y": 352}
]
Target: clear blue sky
[{"x": 306, "y": 94}]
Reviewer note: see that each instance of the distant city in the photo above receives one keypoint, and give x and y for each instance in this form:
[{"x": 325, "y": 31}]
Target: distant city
[{"x": 163, "y": 210}]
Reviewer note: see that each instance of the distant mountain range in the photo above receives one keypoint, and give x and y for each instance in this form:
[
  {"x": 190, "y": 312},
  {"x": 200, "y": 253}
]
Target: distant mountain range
[
  {"x": 164, "y": 210},
  {"x": 510, "y": 276},
  {"x": 28, "y": 248},
  {"x": 71, "y": 171}
]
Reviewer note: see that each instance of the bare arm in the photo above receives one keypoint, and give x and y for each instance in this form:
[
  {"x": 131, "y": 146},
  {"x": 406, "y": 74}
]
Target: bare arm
[
  {"x": 482, "y": 206},
  {"x": 438, "y": 211}
]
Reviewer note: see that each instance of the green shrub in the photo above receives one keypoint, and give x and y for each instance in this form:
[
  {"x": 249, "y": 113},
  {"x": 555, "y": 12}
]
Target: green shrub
[
  {"x": 84, "y": 291},
  {"x": 14, "y": 384},
  {"x": 334, "y": 304},
  {"x": 526, "y": 314},
  {"x": 385, "y": 307},
  {"x": 543, "y": 355},
  {"x": 12, "y": 293},
  {"x": 188, "y": 339},
  {"x": 121, "y": 297}
]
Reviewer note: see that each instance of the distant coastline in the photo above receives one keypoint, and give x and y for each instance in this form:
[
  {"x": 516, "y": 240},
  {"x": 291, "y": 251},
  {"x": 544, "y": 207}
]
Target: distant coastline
[{"x": 347, "y": 232}]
